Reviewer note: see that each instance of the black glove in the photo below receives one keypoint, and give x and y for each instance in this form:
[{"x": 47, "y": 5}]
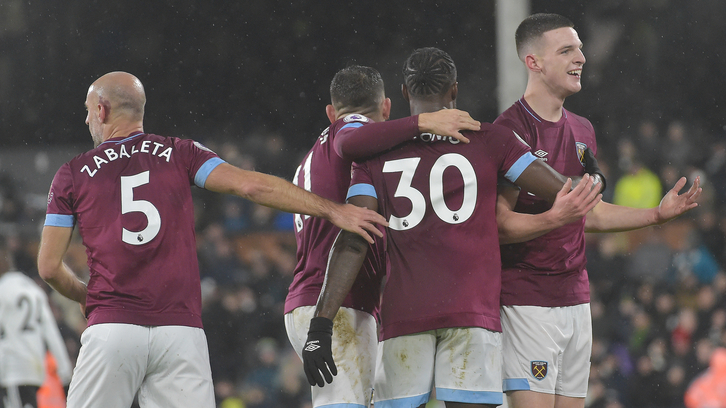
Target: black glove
[
  {"x": 592, "y": 168},
  {"x": 317, "y": 354}
]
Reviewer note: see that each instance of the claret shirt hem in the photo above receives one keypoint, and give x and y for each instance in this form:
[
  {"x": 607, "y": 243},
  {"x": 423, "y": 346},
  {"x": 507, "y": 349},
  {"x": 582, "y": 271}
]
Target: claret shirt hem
[
  {"x": 144, "y": 319},
  {"x": 396, "y": 329}
]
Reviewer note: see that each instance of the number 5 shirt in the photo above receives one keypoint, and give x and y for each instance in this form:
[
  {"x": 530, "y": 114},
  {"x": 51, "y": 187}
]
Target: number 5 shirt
[
  {"x": 131, "y": 200},
  {"x": 439, "y": 197}
]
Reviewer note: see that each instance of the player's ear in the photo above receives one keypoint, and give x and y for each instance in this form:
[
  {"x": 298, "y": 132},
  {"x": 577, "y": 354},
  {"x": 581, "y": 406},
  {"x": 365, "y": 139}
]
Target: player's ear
[
  {"x": 532, "y": 63},
  {"x": 330, "y": 111},
  {"x": 386, "y": 108},
  {"x": 454, "y": 91},
  {"x": 404, "y": 91}
]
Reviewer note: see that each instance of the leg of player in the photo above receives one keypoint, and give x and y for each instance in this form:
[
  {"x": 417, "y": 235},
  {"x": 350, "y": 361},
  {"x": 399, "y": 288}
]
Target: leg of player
[
  {"x": 531, "y": 399},
  {"x": 569, "y": 402}
]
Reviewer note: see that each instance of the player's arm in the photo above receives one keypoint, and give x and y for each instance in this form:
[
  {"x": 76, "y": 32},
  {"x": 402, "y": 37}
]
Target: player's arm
[
  {"x": 54, "y": 243},
  {"x": 571, "y": 204},
  {"x": 356, "y": 141},
  {"x": 606, "y": 217},
  {"x": 272, "y": 191},
  {"x": 346, "y": 258}
]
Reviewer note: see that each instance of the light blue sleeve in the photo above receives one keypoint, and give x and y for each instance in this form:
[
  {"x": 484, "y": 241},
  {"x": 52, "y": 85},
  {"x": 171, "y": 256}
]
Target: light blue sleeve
[
  {"x": 518, "y": 167},
  {"x": 352, "y": 125},
  {"x": 201, "y": 177},
  {"x": 60, "y": 220},
  {"x": 361, "y": 189}
]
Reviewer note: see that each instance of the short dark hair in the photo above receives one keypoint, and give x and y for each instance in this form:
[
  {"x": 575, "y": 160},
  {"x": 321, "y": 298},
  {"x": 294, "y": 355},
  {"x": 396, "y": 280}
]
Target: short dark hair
[
  {"x": 429, "y": 72},
  {"x": 532, "y": 28},
  {"x": 357, "y": 87}
]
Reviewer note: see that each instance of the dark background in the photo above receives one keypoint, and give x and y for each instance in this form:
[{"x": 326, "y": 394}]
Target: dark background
[{"x": 227, "y": 69}]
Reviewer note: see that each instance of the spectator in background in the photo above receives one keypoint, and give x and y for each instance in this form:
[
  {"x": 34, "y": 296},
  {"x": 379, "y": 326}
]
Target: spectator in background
[
  {"x": 27, "y": 330},
  {"x": 639, "y": 187},
  {"x": 709, "y": 389}
]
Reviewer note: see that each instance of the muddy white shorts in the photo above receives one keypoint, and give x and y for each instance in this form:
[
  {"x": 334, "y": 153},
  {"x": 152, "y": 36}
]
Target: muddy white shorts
[
  {"x": 547, "y": 349},
  {"x": 463, "y": 364},
  {"x": 355, "y": 343},
  {"x": 167, "y": 365}
]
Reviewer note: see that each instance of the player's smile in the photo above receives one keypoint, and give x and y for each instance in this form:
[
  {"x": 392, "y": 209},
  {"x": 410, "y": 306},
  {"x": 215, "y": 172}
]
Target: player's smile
[{"x": 575, "y": 72}]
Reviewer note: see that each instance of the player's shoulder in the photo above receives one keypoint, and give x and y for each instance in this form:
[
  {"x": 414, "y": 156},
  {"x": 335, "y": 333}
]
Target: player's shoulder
[
  {"x": 350, "y": 120},
  {"x": 578, "y": 120},
  {"x": 497, "y": 130}
]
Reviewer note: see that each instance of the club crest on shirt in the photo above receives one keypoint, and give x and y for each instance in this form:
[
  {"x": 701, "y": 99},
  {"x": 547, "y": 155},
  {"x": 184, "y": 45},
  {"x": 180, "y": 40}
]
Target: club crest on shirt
[
  {"x": 355, "y": 117},
  {"x": 539, "y": 369},
  {"x": 581, "y": 147}
]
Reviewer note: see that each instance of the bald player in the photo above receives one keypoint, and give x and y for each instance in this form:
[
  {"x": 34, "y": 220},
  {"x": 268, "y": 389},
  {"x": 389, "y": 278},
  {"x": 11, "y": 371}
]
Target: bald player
[{"x": 130, "y": 198}]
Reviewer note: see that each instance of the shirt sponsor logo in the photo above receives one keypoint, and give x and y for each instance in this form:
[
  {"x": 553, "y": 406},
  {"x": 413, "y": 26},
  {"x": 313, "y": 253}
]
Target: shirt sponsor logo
[
  {"x": 355, "y": 117},
  {"x": 539, "y": 369}
]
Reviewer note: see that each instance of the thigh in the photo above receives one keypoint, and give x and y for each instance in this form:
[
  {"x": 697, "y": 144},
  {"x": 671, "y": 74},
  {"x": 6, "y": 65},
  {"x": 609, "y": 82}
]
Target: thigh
[
  {"x": 532, "y": 344},
  {"x": 179, "y": 373},
  {"x": 111, "y": 366},
  {"x": 575, "y": 367},
  {"x": 469, "y": 366},
  {"x": 354, "y": 346},
  {"x": 405, "y": 370}
]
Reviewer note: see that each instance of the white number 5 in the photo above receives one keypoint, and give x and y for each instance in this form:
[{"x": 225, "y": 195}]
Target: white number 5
[{"x": 128, "y": 204}]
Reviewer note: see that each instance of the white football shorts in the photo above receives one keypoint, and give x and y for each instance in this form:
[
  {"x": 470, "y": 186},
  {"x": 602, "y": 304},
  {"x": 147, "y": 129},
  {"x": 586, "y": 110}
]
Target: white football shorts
[
  {"x": 547, "y": 349},
  {"x": 463, "y": 363},
  {"x": 167, "y": 365},
  {"x": 355, "y": 343}
]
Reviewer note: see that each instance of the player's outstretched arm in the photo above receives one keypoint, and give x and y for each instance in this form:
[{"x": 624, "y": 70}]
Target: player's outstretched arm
[
  {"x": 355, "y": 143},
  {"x": 347, "y": 256},
  {"x": 54, "y": 243},
  {"x": 277, "y": 193},
  {"x": 606, "y": 217},
  {"x": 571, "y": 204}
]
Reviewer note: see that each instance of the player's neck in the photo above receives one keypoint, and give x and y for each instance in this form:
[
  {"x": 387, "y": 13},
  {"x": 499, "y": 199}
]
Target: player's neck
[
  {"x": 123, "y": 130},
  {"x": 419, "y": 106},
  {"x": 545, "y": 104}
]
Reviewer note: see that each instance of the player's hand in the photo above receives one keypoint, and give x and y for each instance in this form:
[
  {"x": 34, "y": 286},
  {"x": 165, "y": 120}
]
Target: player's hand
[
  {"x": 592, "y": 168},
  {"x": 358, "y": 220},
  {"x": 447, "y": 122},
  {"x": 673, "y": 204},
  {"x": 571, "y": 204},
  {"x": 317, "y": 353}
]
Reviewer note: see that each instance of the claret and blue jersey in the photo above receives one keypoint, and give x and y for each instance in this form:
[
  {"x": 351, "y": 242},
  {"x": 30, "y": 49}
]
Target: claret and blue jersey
[{"x": 127, "y": 196}]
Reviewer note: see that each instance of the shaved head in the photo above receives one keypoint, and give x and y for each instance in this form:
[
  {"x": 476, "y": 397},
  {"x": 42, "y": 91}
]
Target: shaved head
[
  {"x": 122, "y": 93},
  {"x": 115, "y": 104}
]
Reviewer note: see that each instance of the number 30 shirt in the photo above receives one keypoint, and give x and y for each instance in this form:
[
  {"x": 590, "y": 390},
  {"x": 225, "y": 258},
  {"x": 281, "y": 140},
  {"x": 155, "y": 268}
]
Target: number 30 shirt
[
  {"x": 439, "y": 197},
  {"x": 131, "y": 200}
]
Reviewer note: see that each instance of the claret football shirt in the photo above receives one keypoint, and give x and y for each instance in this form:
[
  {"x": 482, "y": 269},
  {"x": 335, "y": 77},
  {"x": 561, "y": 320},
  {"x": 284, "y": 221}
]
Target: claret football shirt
[
  {"x": 548, "y": 271},
  {"x": 439, "y": 197},
  {"x": 131, "y": 200}
]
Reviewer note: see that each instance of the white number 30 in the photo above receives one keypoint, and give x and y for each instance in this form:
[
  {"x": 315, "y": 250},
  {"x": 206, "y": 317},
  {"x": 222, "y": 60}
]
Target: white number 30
[
  {"x": 407, "y": 167},
  {"x": 128, "y": 205}
]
